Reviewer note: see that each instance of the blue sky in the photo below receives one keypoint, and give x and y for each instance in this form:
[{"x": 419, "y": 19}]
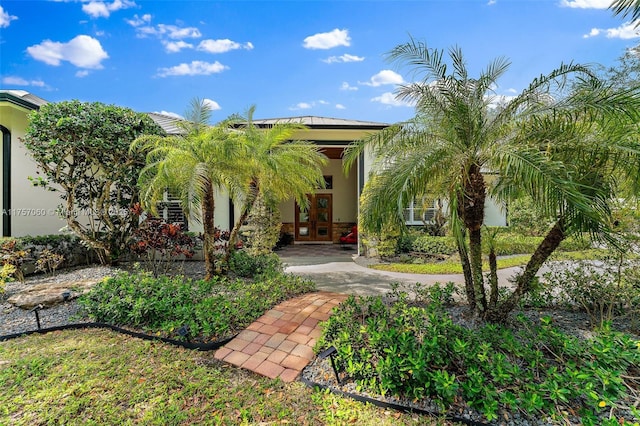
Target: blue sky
[{"x": 289, "y": 58}]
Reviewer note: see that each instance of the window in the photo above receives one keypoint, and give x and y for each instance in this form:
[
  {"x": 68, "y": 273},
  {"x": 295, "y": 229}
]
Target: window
[
  {"x": 420, "y": 213},
  {"x": 170, "y": 211}
]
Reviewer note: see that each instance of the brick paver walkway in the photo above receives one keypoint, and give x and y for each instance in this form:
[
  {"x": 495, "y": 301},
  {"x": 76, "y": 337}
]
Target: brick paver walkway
[{"x": 280, "y": 343}]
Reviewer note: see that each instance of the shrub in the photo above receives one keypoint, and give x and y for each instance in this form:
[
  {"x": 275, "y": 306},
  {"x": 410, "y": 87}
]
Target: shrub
[
  {"x": 12, "y": 256},
  {"x": 48, "y": 261},
  {"x": 209, "y": 310},
  {"x": 160, "y": 243},
  {"x": 605, "y": 290},
  {"x": 244, "y": 264},
  {"x": 435, "y": 245},
  {"x": 416, "y": 351}
]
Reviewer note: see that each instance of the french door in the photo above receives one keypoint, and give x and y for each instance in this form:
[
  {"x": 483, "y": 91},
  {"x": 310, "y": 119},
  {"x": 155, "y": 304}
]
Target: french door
[{"x": 316, "y": 223}]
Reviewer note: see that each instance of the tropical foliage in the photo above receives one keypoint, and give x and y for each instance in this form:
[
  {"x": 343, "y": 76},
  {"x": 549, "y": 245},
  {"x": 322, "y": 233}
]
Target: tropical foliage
[
  {"x": 82, "y": 151},
  {"x": 235, "y": 158},
  {"x": 193, "y": 166},
  {"x": 566, "y": 143},
  {"x": 278, "y": 167}
]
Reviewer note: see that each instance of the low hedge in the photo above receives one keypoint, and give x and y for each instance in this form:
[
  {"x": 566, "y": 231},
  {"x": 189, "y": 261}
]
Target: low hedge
[{"x": 506, "y": 244}]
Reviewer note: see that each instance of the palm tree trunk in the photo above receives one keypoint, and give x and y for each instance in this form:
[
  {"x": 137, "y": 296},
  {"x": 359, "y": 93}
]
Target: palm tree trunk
[
  {"x": 524, "y": 281},
  {"x": 250, "y": 202},
  {"x": 473, "y": 214},
  {"x": 208, "y": 223},
  {"x": 493, "y": 277},
  {"x": 475, "y": 248},
  {"x": 468, "y": 277}
]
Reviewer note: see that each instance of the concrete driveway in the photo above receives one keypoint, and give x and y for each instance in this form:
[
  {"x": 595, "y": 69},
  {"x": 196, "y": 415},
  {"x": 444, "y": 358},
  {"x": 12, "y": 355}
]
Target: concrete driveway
[{"x": 342, "y": 271}]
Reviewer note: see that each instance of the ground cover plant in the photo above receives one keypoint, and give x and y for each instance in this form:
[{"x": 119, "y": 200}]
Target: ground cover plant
[
  {"x": 182, "y": 308},
  {"x": 412, "y": 349},
  {"x": 85, "y": 377}
]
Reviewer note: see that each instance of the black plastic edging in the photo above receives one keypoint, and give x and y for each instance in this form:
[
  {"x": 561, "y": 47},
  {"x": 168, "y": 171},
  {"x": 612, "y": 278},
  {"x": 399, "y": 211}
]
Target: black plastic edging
[
  {"x": 188, "y": 345},
  {"x": 382, "y": 404}
]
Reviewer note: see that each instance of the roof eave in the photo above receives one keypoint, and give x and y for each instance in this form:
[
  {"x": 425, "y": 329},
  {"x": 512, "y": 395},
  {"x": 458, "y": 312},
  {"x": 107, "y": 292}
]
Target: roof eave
[{"x": 8, "y": 97}]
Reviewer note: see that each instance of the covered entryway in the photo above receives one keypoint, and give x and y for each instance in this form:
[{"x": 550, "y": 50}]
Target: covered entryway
[{"x": 316, "y": 222}]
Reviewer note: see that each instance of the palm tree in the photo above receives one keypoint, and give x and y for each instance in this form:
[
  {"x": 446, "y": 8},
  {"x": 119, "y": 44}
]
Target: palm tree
[
  {"x": 626, "y": 8},
  {"x": 277, "y": 168},
  {"x": 461, "y": 131},
  {"x": 193, "y": 166}
]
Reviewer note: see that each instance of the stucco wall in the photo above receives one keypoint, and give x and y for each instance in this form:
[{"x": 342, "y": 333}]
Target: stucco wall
[
  {"x": 345, "y": 202},
  {"x": 32, "y": 208}
]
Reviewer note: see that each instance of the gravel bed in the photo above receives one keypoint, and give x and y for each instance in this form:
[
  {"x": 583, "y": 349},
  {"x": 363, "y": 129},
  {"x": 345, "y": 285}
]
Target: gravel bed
[{"x": 17, "y": 320}]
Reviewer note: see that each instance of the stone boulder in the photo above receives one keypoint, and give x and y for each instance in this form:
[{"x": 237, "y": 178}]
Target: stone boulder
[{"x": 51, "y": 294}]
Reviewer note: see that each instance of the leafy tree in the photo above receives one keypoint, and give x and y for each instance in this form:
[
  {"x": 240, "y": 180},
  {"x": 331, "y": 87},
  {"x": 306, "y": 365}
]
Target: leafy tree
[
  {"x": 82, "y": 151},
  {"x": 541, "y": 143},
  {"x": 277, "y": 168},
  {"x": 193, "y": 166}
]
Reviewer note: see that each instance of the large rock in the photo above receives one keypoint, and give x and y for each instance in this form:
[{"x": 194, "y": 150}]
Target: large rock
[{"x": 50, "y": 294}]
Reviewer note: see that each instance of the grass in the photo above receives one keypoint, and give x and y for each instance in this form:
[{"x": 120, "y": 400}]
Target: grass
[
  {"x": 101, "y": 377},
  {"x": 454, "y": 267}
]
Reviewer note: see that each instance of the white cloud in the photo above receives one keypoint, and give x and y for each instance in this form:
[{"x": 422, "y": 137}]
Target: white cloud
[
  {"x": 340, "y": 106},
  {"x": 384, "y": 77},
  {"x": 82, "y": 73},
  {"x": 176, "y": 46},
  {"x": 586, "y": 4},
  {"x": 346, "y": 86},
  {"x": 389, "y": 98},
  {"x": 169, "y": 31},
  {"x": 328, "y": 40},
  {"x": 323, "y": 102},
  {"x": 213, "y": 105},
  {"x": 97, "y": 9},
  {"x": 302, "y": 105},
  {"x": 170, "y": 114},
  {"x": 19, "y": 81},
  {"x": 221, "y": 46},
  {"x": 626, "y": 31},
  {"x": 194, "y": 68},
  {"x": 344, "y": 58},
  {"x": 499, "y": 100},
  {"x": 82, "y": 51},
  {"x": 139, "y": 20},
  {"x": 492, "y": 2},
  {"x": 5, "y": 18}
]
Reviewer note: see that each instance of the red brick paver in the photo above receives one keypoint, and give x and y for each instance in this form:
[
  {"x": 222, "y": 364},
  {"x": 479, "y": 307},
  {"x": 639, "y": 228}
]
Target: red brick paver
[{"x": 280, "y": 343}]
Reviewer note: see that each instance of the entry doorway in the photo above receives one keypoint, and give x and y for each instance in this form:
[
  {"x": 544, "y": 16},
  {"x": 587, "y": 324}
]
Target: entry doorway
[{"x": 316, "y": 223}]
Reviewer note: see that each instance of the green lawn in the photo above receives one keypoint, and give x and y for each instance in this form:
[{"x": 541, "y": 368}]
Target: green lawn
[
  {"x": 101, "y": 377},
  {"x": 454, "y": 267}
]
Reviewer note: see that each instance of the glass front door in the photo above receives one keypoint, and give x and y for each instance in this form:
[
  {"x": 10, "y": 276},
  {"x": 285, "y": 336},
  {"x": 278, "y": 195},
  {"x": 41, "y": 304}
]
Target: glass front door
[{"x": 315, "y": 223}]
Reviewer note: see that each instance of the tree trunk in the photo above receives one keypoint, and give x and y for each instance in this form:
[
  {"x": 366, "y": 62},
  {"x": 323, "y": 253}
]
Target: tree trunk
[
  {"x": 208, "y": 223},
  {"x": 468, "y": 278},
  {"x": 524, "y": 281},
  {"x": 475, "y": 247},
  {"x": 474, "y": 194},
  {"x": 493, "y": 277},
  {"x": 250, "y": 202}
]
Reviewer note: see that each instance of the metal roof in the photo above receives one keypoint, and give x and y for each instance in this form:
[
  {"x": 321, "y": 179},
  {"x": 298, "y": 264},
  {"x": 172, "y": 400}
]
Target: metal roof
[
  {"x": 315, "y": 122},
  {"x": 168, "y": 123}
]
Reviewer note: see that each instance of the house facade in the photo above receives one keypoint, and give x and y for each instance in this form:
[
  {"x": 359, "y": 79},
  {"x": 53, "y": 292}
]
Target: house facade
[{"x": 29, "y": 210}]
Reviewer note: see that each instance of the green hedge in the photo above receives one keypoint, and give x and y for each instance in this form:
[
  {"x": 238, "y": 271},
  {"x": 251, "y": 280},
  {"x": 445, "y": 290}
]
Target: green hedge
[{"x": 506, "y": 244}]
